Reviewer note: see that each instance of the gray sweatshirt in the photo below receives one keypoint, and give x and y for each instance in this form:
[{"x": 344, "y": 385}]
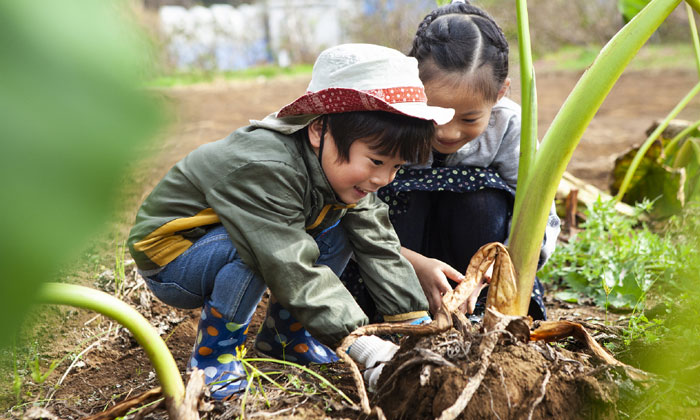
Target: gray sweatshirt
[{"x": 498, "y": 147}]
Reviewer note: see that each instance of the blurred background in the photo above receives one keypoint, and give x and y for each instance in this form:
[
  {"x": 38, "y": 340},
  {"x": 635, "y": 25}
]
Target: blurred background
[{"x": 236, "y": 34}]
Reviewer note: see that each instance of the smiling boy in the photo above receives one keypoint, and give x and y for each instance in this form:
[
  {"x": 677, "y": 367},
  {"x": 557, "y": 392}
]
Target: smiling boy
[{"x": 282, "y": 204}]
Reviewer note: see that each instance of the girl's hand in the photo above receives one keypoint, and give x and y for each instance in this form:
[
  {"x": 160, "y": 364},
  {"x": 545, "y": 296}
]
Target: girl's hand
[{"x": 433, "y": 275}]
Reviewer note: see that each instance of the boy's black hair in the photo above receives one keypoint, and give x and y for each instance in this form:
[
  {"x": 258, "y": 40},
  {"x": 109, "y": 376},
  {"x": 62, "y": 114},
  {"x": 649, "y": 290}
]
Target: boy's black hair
[
  {"x": 462, "y": 39},
  {"x": 386, "y": 133}
]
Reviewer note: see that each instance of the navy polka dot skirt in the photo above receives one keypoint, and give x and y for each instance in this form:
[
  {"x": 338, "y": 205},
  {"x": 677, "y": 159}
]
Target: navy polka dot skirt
[{"x": 452, "y": 179}]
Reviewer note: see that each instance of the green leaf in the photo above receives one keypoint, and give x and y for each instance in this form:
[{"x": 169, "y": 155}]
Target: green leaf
[
  {"x": 567, "y": 296},
  {"x": 72, "y": 112},
  {"x": 630, "y": 8},
  {"x": 692, "y": 169},
  {"x": 652, "y": 181}
]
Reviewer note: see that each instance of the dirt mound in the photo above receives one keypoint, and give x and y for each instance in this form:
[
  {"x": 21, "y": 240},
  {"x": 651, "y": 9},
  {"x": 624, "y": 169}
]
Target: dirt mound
[{"x": 523, "y": 380}]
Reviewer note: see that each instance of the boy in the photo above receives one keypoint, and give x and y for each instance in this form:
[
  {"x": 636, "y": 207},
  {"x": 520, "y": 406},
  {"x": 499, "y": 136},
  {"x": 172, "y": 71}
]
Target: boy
[{"x": 283, "y": 203}]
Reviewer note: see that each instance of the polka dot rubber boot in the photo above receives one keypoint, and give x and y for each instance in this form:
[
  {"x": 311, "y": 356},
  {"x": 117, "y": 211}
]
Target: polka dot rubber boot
[
  {"x": 283, "y": 337},
  {"x": 215, "y": 353}
]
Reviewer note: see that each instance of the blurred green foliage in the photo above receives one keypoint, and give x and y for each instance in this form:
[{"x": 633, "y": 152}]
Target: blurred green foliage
[
  {"x": 193, "y": 77},
  {"x": 614, "y": 260},
  {"x": 656, "y": 272},
  {"x": 674, "y": 350},
  {"x": 72, "y": 111}
]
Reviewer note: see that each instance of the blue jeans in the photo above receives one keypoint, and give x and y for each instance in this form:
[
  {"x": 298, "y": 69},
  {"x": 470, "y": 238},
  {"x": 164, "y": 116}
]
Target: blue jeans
[{"x": 212, "y": 270}]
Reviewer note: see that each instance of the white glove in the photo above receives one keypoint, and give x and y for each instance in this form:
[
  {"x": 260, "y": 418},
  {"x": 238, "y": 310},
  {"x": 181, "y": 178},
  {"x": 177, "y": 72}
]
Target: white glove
[{"x": 372, "y": 352}]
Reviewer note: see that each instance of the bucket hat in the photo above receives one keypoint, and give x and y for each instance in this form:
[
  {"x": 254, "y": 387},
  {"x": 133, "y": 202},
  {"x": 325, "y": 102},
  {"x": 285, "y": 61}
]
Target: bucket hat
[{"x": 359, "y": 77}]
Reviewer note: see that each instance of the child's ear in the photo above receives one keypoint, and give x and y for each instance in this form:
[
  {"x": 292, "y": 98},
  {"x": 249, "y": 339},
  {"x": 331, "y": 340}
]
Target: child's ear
[
  {"x": 314, "y": 130},
  {"x": 504, "y": 89}
]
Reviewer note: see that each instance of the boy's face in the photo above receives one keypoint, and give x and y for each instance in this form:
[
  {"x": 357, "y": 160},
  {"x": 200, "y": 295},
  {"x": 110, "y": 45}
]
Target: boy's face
[{"x": 365, "y": 172}]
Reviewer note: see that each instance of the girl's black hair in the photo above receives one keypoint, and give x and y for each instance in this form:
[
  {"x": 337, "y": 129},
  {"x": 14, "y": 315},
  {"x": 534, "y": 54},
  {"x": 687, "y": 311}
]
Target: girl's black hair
[
  {"x": 386, "y": 133},
  {"x": 462, "y": 39}
]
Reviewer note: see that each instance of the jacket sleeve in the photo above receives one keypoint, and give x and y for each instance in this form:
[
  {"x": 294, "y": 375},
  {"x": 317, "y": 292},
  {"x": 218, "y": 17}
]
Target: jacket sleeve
[
  {"x": 389, "y": 277},
  {"x": 261, "y": 206}
]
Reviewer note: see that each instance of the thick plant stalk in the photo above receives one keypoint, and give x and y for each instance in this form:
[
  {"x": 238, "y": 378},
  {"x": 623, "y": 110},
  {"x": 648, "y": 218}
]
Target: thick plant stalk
[
  {"x": 147, "y": 337},
  {"x": 650, "y": 140},
  {"x": 528, "y": 100},
  {"x": 564, "y": 135},
  {"x": 694, "y": 35}
]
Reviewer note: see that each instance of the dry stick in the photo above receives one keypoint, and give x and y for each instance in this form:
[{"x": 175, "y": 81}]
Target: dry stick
[
  {"x": 125, "y": 406},
  {"x": 571, "y": 209},
  {"x": 555, "y": 330},
  {"x": 278, "y": 412},
  {"x": 489, "y": 343}
]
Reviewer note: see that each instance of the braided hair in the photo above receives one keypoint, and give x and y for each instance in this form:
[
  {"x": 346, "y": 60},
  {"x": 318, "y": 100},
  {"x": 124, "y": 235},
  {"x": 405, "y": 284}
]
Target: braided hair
[{"x": 462, "y": 39}]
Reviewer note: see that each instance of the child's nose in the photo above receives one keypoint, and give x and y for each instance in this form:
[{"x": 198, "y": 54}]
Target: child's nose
[
  {"x": 448, "y": 132},
  {"x": 383, "y": 177}
]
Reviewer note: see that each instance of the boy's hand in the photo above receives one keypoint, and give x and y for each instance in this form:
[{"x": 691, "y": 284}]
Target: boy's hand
[
  {"x": 433, "y": 275},
  {"x": 372, "y": 352}
]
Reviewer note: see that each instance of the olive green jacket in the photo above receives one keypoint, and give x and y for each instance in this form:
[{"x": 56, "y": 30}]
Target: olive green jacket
[{"x": 269, "y": 191}]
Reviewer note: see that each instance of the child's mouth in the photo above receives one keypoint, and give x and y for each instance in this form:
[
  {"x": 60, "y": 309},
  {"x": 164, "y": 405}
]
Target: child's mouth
[
  {"x": 362, "y": 192},
  {"x": 448, "y": 143}
]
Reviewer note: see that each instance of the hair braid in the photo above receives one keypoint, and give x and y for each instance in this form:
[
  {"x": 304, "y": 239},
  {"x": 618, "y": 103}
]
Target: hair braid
[{"x": 460, "y": 37}]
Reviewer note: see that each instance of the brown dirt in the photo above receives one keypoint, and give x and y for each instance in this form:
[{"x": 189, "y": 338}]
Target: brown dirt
[
  {"x": 533, "y": 380},
  {"x": 118, "y": 368}
]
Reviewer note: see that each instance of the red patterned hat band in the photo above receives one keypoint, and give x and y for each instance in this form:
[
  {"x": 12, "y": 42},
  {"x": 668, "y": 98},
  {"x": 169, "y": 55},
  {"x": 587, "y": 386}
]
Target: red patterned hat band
[{"x": 337, "y": 100}]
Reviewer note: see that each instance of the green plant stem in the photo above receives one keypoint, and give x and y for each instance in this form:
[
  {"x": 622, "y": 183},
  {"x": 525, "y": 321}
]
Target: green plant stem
[
  {"x": 563, "y": 136},
  {"x": 650, "y": 140},
  {"x": 671, "y": 146},
  {"x": 528, "y": 131},
  {"x": 694, "y": 35},
  {"x": 147, "y": 337}
]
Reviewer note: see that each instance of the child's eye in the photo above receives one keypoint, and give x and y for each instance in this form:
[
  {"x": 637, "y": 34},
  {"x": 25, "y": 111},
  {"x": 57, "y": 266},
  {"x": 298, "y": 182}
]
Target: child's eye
[
  {"x": 469, "y": 120},
  {"x": 377, "y": 162}
]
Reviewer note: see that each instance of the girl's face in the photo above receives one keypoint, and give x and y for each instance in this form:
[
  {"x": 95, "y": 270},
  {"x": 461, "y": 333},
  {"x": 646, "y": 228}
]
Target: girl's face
[
  {"x": 365, "y": 172},
  {"x": 472, "y": 114}
]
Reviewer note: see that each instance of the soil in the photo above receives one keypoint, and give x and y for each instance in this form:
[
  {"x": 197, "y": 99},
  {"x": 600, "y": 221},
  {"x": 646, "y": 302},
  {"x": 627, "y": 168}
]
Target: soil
[
  {"x": 522, "y": 380},
  {"x": 117, "y": 368}
]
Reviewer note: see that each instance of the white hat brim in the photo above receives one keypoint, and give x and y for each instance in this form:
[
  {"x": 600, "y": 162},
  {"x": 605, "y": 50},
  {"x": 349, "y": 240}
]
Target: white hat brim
[{"x": 426, "y": 112}]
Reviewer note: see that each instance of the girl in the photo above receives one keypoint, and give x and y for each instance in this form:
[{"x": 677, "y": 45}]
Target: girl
[{"x": 443, "y": 211}]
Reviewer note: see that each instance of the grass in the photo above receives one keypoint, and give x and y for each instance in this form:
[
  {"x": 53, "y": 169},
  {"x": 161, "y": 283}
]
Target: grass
[
  {"x": 185, "y": 78},
  {"x": 569, "y": 58},
  {"x": 650, "y": 57}
]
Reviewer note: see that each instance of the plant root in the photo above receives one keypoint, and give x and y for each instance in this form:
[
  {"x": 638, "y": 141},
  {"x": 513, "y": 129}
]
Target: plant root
[
  {"x": 487, "y": 346},
  {"x": 543, "y": 391},
  {"x": 556, "y": 330},
  {"x": 479, "y": 264},
  {"x": 424, "y": 356},
  {"x": 499, "y": 322}
]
